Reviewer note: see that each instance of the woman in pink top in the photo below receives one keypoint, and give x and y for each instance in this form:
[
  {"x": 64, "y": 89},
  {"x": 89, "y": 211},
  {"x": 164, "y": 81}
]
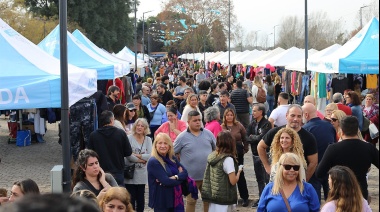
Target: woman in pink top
[
  {"x": 173, "y": 126},
  {"x": 212, "y": 116}
]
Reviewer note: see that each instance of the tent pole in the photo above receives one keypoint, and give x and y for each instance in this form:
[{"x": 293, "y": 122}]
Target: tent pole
[{"x": 64, "y": 97}]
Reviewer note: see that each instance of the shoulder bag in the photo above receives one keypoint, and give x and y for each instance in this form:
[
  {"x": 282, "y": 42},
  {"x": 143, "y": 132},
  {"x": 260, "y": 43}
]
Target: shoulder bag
[
  {"x": 285, "y": 200},
  {"x": 129, "y": 170},
  {"x": 152, "y": 113}
]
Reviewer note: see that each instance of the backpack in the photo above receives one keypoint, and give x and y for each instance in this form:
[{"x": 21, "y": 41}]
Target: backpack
[
  {"x": 261, "y": 96},
  {"x": 270, "y": 90}
]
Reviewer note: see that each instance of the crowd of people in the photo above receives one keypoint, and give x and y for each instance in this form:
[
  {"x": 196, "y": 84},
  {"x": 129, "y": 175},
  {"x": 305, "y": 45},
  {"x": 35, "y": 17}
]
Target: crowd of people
[{"x": 186, "y": 132}]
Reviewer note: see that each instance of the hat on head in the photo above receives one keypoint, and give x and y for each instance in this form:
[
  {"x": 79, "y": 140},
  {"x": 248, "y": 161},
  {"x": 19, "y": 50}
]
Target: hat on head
[{"x": 130, "y": 106}]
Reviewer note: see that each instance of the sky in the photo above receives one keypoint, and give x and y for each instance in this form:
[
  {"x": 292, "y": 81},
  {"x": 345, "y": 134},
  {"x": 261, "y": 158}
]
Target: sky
[{"x": 262, "y": 15}]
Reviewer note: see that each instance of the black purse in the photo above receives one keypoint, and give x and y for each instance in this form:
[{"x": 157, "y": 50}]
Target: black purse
[{"x": 129, "y": 170}]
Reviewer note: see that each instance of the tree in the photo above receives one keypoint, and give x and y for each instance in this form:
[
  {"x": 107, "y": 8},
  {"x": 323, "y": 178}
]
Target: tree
[
  {"x": 96, "y": 17},
  {"x": 218, "y": 38},
  {"x": 238, "y": 36}
]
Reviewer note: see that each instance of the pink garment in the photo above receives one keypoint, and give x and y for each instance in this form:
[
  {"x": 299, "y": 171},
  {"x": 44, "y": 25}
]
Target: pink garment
[
  {"x": 214, "y": 127},
  {"x": 165, "y": 127},
  {"x": 294, "y": 79},
  {"x": 320, "y": 115}
]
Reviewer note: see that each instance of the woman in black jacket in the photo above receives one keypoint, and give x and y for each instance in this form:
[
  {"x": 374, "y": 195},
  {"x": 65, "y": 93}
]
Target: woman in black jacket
[{"x": 141, "y": 110}]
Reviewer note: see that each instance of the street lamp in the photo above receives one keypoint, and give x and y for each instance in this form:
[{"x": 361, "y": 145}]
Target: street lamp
[
  {"x": 306, "y": 36},
  {"x": 144, "y": 33},
  {"x": 256, "y": 36},
  {"x": 361, "y": 18},
  {"x": 274, "y": 36},
  {"x": 135, "y": 6},
  {"x": 229, "y": 35},
  {"x": 267, "y": 40}
]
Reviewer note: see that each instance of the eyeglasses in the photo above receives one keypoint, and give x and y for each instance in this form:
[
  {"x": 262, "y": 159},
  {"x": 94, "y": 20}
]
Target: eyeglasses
[
  {"x": 333, "y": 119},
  {"x": 288, "y": 167}
]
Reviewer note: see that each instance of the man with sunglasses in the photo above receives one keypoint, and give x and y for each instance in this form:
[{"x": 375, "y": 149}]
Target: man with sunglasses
[
  {"x": 325, "y": 134},
  {"x": 294, "y": 121},
  {"x": 351, "y": 152}
]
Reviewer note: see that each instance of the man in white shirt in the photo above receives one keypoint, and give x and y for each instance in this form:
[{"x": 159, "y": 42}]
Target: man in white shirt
[{"x": 278, "y": 115}]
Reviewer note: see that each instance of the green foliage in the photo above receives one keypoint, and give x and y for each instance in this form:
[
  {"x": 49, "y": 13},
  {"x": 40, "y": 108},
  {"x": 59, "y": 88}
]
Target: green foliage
[{"x": 106, "y": 23}]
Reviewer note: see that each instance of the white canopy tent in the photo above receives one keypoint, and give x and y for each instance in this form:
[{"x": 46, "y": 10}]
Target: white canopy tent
[
  {"x": 126, "y": 55},
  {"x": 284, "y": 58},
  {"x": 300, "y": 64},
  {"x": 265, "y": 56}
]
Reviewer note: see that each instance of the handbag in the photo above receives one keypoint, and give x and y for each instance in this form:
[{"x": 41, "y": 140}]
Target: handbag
[
  {"x": 152, "y": 113},
  {"x": 285, "y": 200},
  {"x": 366, "y": 123},
  {"x": 185, "y": 188},
  {"x": 129, "y": 170},
  {"x": 373, "y": 131}
]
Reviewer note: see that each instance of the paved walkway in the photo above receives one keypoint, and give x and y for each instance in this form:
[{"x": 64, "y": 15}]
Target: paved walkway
[{"x": 36, "y": 161}]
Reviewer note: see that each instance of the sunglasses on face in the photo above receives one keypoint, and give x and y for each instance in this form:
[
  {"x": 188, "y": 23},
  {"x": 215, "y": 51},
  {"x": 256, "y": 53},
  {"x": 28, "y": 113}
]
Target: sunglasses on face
[
  {"x": 288, "y": 167},
  {"x": 333, "y": 119}
]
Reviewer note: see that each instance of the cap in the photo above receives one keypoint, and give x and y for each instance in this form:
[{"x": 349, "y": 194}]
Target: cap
[{"x": 130, "y": 106}]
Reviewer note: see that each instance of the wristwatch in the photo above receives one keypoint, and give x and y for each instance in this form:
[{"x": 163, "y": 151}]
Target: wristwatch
[{"x": 176, "y": 177}]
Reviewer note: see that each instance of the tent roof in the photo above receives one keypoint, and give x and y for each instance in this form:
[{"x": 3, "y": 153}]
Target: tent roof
[
  {"x": 268, "y": 54},
  {"x": 79, "y": 55},
  {"x": 365, "y": 58},
  {"x": 284, "y": 58},
  {"x": 361, "y": 51},
  {"x": 121, "y": 65},
  {"x": 30, "y": 78},
  {"x": 126, "y": 54}
]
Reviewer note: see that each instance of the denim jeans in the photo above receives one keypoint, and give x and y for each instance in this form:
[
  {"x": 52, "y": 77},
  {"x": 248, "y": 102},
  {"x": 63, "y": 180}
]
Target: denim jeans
[
  {"x": 304, "y": 89},
  {"x": 270, "y": 100},
  {"x": 262, "y": 177}
]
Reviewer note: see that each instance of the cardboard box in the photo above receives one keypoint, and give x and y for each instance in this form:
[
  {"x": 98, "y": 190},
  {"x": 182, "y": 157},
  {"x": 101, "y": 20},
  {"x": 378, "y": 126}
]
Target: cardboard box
[{"x": 28, "y": 127}]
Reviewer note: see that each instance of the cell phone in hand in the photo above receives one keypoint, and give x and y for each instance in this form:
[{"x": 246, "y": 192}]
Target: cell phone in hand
[{"x": 241, "y": 167}]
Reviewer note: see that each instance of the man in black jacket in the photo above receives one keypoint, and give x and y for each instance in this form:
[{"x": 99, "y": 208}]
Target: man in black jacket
[
  {"x": 352, "y": 152},
  {"x": 255, "y": 132},
  {"x": 112, "y": 145},
  {"x": 164, "y": 94}
]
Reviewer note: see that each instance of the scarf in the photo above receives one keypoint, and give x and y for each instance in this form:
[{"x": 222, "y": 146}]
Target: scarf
[{"x": 178, "y": 199}]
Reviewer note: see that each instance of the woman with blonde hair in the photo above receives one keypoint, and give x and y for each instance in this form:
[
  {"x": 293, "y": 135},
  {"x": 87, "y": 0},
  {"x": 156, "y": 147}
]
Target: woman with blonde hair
[
  {"x": 116, "y": 198},
  {"x": 191, "y": 104},
  {"x": 336, "y": 118},
  {"x": 285, "y": 140},
  {"x": 328, "y": 111},
  {"x": 345, "y": 193},
  {"x": 165, "y": 175},
  {"x": 141, "y": 150},
  {"x": 257, "y": 83},
  {"x": 289, "y": 186}
]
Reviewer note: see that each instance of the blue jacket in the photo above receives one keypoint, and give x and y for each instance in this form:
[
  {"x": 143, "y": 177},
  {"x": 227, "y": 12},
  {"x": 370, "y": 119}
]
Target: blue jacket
[{"x": 161, "y": 194}]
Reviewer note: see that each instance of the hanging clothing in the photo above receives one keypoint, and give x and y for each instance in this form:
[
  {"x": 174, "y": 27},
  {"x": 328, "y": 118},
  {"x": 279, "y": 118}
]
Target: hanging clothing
[
  {"x": 39, "y": 123},
  {"x": 82, "y": 121},
  {"x": 372, "y": 81},
  {"x": 339, "y": 84},
  {"x": 322, "y": 93}
]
